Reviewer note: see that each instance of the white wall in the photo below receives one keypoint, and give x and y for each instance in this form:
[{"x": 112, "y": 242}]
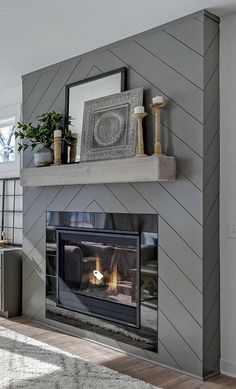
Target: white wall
[
  {"x": 228, "y": 193},
  {"x": 11, "y": 96}
]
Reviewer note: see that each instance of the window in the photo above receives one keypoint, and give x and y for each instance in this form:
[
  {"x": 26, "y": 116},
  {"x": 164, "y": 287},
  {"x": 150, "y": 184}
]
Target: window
[
  {"x": 11, "y": 209},
  {"x": 9, "y": 156},
  {"x": 7, "y": 140},
  {"x": 10, "y": 189}
]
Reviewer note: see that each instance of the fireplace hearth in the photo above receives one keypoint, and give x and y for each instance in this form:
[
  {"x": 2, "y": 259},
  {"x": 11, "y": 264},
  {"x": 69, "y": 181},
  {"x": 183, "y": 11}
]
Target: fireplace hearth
[{"x": 102, "y": 274}]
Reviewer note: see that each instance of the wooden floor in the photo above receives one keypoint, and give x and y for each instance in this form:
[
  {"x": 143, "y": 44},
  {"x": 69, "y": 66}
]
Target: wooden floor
[{"x": 134, "y": 367}]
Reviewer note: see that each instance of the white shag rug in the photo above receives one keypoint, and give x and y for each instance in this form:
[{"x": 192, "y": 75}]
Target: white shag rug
[{"x": 28, "y": 363}]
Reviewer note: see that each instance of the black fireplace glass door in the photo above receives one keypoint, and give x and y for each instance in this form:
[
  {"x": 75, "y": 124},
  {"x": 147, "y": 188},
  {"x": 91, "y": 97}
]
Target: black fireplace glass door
[{"x": 99, "y": 274}]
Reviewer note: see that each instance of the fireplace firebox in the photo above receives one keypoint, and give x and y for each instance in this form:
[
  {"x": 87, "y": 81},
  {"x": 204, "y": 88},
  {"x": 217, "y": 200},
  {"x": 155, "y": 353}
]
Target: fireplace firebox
[
  {"x": 101, "y": 273},
  {"x": 98, "y": 274}
]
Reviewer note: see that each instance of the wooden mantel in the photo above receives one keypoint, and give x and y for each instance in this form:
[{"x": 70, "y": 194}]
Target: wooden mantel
[{"x": 137, "y": 169}]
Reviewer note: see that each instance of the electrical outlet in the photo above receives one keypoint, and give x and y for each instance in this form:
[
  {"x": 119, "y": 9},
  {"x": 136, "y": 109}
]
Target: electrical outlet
[{"x": 232, "y": 230}]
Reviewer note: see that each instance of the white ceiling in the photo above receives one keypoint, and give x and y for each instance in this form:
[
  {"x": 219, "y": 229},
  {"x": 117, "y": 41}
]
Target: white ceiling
[{"x": 36, "y": 33}]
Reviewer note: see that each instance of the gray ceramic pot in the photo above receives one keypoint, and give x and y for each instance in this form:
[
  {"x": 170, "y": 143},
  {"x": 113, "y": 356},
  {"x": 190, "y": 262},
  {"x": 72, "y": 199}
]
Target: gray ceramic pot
[{"x": 44, "y": 156}]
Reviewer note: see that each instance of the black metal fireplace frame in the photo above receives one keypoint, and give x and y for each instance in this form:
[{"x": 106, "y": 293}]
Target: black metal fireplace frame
[{"x": 131, "y": 314}]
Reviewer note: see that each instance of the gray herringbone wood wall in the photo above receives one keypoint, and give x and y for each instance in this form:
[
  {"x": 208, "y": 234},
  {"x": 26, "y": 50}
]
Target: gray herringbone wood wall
[{"x": 180, "y": 62}]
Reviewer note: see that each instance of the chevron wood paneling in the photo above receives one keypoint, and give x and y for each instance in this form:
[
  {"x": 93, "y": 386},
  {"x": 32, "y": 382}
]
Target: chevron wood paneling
[
  {"x": 171, "y": 52},
  {"x": 211, "y": 263},
  {"x": 180, "y": 61},
  {"x": 187, "y": 195},
  {"x": 211, "y": 126},
  {"x": 181, "y": 254},
  {"x": 189, "y": 32},
  {"x": 172, "y": 212},
  {"x": 29, "y": 84}
]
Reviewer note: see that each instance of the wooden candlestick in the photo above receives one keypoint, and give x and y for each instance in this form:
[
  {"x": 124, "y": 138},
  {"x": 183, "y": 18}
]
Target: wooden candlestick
[
  {"x": 140, "y": 145},
  {"x": 157, "y": 108},
  {"x": 57, "y": 150},
  {"x": 73, "y": 149}
]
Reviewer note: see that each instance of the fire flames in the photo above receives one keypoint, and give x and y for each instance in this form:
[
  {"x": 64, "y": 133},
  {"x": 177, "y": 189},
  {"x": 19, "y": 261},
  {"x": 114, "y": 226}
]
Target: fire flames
[
  {"x": 113, "y": 281},
  {"x": 93, "y": 279}
]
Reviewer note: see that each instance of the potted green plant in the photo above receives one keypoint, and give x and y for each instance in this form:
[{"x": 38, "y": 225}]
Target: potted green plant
[{"x": 42, "y": 134}]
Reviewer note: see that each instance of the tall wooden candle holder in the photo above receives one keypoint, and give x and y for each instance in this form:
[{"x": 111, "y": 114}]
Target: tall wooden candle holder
[
  {"x": 57, "y": 150},
  {"x": 140, "y": 145},
  {"x": 157, "y": 108}
]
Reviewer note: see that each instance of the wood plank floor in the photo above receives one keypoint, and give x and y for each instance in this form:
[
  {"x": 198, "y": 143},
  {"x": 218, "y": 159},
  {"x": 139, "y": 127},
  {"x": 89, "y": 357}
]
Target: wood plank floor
[{"x": 134, "y": 367}]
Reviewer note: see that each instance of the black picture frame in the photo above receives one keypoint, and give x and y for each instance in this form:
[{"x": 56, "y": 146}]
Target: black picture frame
[{"x": 122, "y": 71}]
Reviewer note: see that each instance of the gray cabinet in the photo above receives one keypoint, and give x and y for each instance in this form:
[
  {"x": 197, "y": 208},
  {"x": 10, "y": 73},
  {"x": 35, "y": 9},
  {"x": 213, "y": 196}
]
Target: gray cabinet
[{"x": 10, "y": 281}]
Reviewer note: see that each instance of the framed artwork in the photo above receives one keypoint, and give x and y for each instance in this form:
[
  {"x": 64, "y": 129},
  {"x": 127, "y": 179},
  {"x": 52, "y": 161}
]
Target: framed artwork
[
  {"x": 109, "y": 126},
  {"x": 90, "y": 88}
]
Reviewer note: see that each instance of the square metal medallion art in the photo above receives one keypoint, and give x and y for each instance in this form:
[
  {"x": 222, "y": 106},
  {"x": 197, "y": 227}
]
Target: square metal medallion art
[{"x": 109, "y": 126}]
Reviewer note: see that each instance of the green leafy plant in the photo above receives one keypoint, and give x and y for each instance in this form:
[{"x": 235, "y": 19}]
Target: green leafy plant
[{"x": 43, "y": 132}]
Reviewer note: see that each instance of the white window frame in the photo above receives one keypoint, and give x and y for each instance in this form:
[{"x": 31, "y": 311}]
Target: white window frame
[{"x": 11, "y": 169}]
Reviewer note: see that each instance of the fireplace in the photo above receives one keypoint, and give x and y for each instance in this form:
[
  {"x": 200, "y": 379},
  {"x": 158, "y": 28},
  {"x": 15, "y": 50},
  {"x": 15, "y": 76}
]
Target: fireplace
[
  {"x": 102, "y": 275},
  {"x": 98, "y": 274}
]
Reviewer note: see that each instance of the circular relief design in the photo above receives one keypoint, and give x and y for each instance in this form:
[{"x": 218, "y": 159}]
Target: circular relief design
[{"x": 109, "y": 128}]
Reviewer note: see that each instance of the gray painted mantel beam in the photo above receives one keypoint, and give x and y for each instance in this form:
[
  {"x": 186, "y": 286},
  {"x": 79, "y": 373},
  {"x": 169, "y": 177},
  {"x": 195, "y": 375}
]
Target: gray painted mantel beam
[{"x": 137, "y": 169}]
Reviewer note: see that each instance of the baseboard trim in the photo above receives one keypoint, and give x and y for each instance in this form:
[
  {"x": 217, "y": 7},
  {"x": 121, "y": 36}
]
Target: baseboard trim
[{"x": 228, "y": 368}]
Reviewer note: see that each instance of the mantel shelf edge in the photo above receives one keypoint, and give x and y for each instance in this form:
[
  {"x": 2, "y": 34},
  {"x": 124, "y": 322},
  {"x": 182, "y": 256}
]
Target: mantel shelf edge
[{"x": 137, "y": 169}]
